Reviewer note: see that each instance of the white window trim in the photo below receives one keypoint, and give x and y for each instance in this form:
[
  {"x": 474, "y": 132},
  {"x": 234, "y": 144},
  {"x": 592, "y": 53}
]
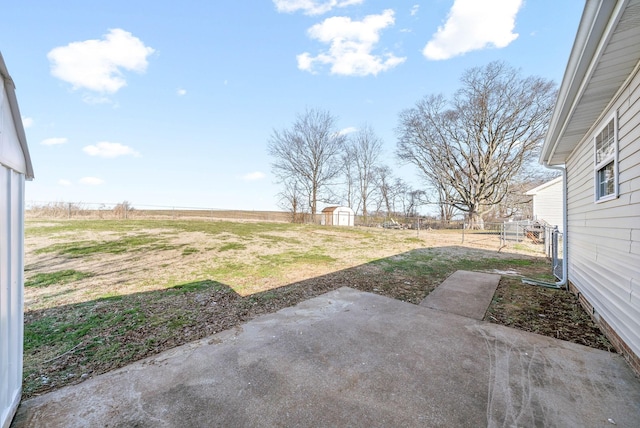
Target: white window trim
[{"x": 598, "y": 166}]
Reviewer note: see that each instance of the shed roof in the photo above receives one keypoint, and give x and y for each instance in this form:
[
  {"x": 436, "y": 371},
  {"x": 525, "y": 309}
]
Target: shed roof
[
  {"x": 604, "y": 56},
  {"x": 334, "y": 208},
  {"x": 15, "y": 114}
]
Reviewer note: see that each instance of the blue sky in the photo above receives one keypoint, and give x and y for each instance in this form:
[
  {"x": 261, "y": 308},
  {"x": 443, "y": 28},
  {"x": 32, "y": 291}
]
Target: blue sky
[{"x": 172, "y": 103}]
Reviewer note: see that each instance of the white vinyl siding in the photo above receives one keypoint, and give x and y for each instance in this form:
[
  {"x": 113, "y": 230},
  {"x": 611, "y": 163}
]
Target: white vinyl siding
[
  {"x": 547, "y": 202},
  {"x": 604, "y": 238}
]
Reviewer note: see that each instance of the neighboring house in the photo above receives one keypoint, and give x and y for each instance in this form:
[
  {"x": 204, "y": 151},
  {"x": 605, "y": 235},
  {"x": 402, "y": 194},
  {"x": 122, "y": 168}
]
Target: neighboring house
[
  {"x": 547, "y": 202},
  {"x": 595, "y": 134},
  {"x": 15, "y": 167},
  {"x": 338, "y": 216}
]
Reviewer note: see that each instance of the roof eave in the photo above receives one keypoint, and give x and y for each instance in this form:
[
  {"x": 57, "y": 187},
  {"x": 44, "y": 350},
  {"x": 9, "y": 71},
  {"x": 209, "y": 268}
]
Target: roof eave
[
  {"x": 584, "y": 55},
  {"x": 17, "y": 118}
]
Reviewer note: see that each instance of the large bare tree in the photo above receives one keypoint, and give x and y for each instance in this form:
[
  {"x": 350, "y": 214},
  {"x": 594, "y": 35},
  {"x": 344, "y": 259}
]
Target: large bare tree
[
  {"x": 365, "y": 149},
  {"x": 308, "y": 154},
  {"x": 475, "y": 143}
]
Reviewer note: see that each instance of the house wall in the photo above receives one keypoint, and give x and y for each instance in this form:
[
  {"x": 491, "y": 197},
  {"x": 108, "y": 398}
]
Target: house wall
[
  {"x": 11, "y": 264},
  {"x": 547, "y": 204},
  {"x": 604, "y": 238}
]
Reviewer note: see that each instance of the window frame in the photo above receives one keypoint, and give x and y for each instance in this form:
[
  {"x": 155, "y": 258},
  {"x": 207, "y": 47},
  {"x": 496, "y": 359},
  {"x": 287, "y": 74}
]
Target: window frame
[{"x": 599, "y": 166}]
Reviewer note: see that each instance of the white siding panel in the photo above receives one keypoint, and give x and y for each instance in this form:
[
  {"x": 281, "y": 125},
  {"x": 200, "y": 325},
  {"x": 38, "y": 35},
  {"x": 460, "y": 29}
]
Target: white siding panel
[
  {"x": 604, "y": 238},
  {"x": 630, "y": 172},
  {"x": 11, "y": 291},
  {"x": 619, "y": 309},
  {"x": 547, "y": 204}
]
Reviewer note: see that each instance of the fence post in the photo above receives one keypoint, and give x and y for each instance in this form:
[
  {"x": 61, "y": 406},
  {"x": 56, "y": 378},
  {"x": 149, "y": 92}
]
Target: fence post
[
  {"x": 463, "y": 231},
  {"x": 554, "y": 247},
  {"x": 69, "y": 210}
]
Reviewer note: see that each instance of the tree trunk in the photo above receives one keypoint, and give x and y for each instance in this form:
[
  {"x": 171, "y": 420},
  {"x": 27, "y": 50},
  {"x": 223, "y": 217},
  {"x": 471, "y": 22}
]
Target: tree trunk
[
  {"x": 314, "y": 198},
  {"x": 475, "y": 220}
]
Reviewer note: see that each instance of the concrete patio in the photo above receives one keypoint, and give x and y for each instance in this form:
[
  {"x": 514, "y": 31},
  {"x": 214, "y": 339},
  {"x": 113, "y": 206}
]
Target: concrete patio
[{"x": 350, "y": 358}]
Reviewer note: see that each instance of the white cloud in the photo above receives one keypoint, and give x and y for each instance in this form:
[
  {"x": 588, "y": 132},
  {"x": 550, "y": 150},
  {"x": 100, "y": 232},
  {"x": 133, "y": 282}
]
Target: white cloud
[
  {"x": 253, "y": 176},
  {"x": 54, "y": 141},
  {"x": 414, "y": 9},
  {"x": 105, "y": 149},
  {"x": 97, "y": 64},
  {"x": 348, "y": 130},
  {"x": 312, "y": 7},
  {"x": 473, "y": 25},
  {"x": 27, "y": 122},
  {"x": 64, "y": 182},
  {"x": 91, "y": 181},
  {"x": 181, "y": 92},
  {"x": 97, "y": 99},
  {"x": 351, "y": 45}
]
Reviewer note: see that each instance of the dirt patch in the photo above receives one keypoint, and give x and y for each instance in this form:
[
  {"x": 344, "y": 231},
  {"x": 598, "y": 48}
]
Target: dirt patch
[{"x": 550, "y": 312}]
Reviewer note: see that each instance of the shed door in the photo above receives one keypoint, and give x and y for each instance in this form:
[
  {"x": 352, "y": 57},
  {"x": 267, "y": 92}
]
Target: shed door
[{"x": 343, "y": 218}]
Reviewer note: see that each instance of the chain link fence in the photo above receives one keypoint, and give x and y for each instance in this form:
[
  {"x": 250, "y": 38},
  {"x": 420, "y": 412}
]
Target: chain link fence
[
  {"x": 124, "y": 211},
  {"x": 525, "y": 236}
]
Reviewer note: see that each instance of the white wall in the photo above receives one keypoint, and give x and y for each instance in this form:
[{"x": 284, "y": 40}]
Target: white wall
[
  {"x": 547, "y": 202},
  {"x": 604, "y": 238},
  {"x": 12, "y": 168},
  {"x": 343, "y": 216},
  {"x": 11, "y": 293}
]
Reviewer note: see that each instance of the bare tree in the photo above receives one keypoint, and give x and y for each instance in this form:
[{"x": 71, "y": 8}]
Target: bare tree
[
  {"x": 516, "y": 204},
  {"x": 291, "y": 199},
  {"x": 445, "y": 192},
  {"x": 411, "y": 199},
  {"x": 349, "y": 193},
  {"x": 121, "y": 209},
  {"x": 309, "y": 153},
  {"x": 364, "y": 149},
  {"x": 477, "y": 142},
  {"x": 386, "y": 189}
]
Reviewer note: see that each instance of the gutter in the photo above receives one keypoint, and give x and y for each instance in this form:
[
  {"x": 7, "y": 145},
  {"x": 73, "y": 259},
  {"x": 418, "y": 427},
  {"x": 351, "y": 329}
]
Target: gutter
[{"x": 564, "y": 281}]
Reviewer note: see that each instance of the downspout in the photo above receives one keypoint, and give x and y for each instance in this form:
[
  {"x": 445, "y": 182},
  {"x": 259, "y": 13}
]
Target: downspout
[{"x": 564, "y": 282}]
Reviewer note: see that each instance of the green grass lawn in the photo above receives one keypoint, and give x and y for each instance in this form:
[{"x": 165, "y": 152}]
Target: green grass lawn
[{"x": 103, "y": 293}]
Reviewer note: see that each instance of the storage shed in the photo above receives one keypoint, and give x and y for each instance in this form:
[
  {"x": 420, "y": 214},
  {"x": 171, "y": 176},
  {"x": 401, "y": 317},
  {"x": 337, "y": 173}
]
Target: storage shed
[
  {"x": 15, "y": 167},
  {"x": 338, "y": 216},
  {"x": 547, "y": 202}
]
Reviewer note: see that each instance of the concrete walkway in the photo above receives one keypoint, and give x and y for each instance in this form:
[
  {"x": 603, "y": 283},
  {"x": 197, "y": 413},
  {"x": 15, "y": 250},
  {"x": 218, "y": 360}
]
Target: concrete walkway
[
  {"x": 464, "y": 293},
  {"x": 349, "y": 358}
]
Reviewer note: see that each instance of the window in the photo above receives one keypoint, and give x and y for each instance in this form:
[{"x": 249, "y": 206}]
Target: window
[{"x": 606, "y": 159}]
